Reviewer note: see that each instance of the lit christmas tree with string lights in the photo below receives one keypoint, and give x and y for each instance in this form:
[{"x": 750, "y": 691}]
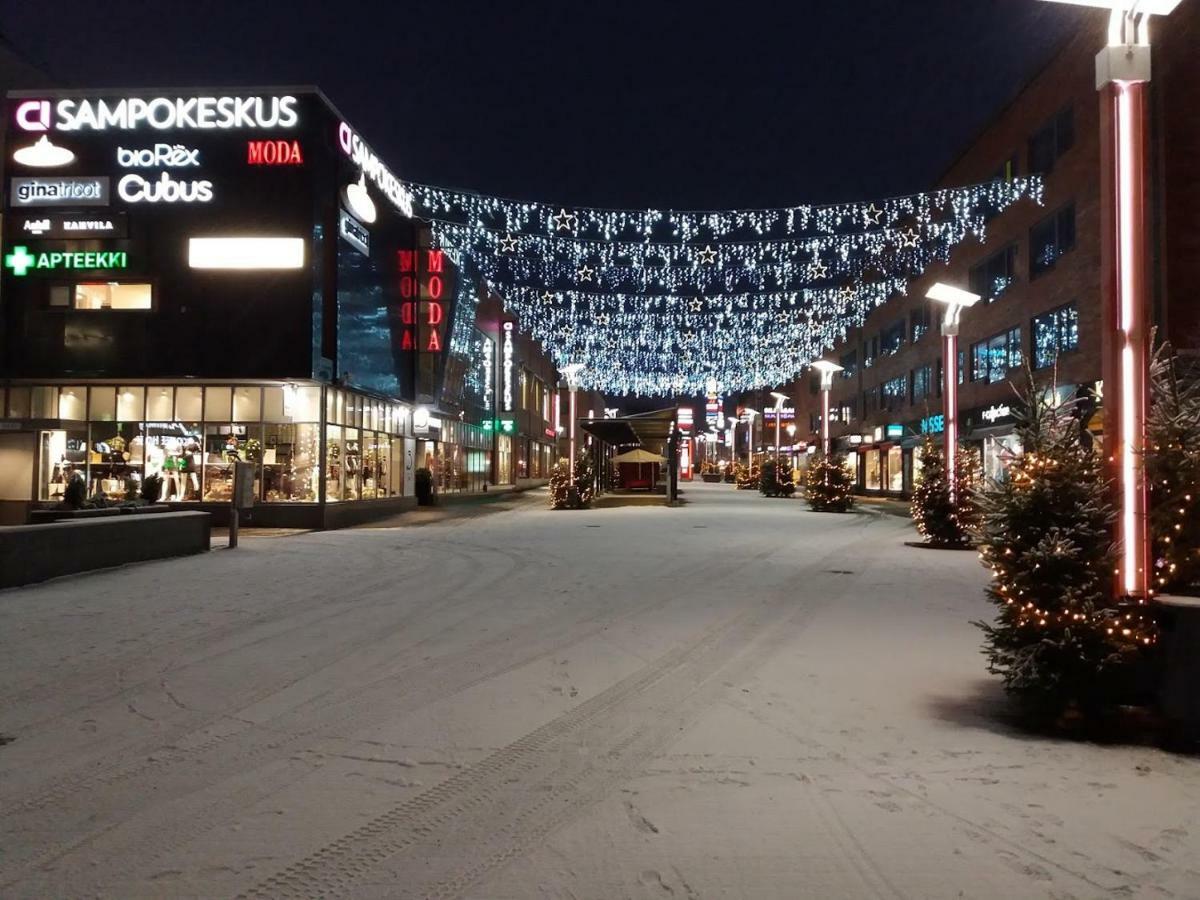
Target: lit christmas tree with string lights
[
  {"x": 1060, "y": 638},
  {"x": 1173, "y": 475},
  {"x": 573, "y": 486},
  {"x": 827, "y": 484},
  {"x": 944, "y": 521}
]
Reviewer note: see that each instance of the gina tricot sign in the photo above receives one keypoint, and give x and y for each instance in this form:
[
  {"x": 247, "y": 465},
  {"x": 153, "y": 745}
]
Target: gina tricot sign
[
  {"x": 159, "y": 113},
  {"x": 68, "y": 190}
]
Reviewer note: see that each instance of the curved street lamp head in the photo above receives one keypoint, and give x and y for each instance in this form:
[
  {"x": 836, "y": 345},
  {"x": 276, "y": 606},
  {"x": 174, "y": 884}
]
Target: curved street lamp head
[
  {"x": 571, "y": 372},
  {"x": 779, "y": 398},
  {"x": 827, "y": 369}
]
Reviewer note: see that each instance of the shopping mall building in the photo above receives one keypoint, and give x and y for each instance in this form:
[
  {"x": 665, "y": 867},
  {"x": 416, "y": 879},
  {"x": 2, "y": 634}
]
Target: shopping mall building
[
  {"x": 192, "y": 278},
  {"x": 1039, "y": 273}
]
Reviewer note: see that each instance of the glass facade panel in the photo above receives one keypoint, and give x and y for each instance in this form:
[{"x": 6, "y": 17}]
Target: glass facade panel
[
  {"x": 160, "y": 403},
  {"x": 247, "y": 404},
  {"x": 44, "y": 403},
  {"x": 218, "y": 404},
  {"x": 895, "y": 469},
  {"x": 189, "y": 404},
  {"x": 335, "y": 463},
  {"x": 873, "y": 475},
  {"x": 273, "y": 405},
  {"x": 18, "y": 403},
  {"x": 102, "y": 404},
  {"x": 72, "y": 404}
]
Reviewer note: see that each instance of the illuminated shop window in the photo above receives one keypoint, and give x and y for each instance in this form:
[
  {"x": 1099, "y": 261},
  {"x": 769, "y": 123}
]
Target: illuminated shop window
[
  {"x": 103, "y": 295},
  {"x": 1053, "y": 333}
]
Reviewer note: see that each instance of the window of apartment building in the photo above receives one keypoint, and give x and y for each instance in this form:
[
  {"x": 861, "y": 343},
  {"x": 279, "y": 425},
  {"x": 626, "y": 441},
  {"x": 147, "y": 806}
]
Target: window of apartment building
[
  {"x": 1006, "y": 172},
  {"x": 1051, "y": 141},
  {"x": 992, "y": 277},
  {"x": 849, "y": 364},
  {"x": 891, "y": 339},
  {"x": 870, "y": 351},
  {"x": 1055, "y": 332},
  {"x": 893, "y": 391},
  {"x": 1050, "y": 239},
  {"x": 918, "y": 323},
  {"x": 870, "y": 400},
  {"x": 991, "y": 359},
  {"x": 847, "y": 410},
  {"x": 922, "y": 383}
]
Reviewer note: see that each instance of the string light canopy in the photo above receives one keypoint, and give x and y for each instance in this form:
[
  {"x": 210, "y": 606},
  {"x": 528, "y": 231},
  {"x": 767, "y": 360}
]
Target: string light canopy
[{"x": 663, "y": 302}]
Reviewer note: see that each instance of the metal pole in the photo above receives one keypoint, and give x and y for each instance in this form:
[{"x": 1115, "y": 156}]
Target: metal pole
[
  {"x": 825, "y": 389},
  {"x": 950, "y": 399}
]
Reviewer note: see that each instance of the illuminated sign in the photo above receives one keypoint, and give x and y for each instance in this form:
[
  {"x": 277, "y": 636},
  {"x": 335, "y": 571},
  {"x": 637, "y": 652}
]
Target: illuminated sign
[
  {"x": 42, "y": 154},
  {"x": 22, "y": 262},
  {"x": 160, "y": 156},
  {"x": 506, "y": 364},
  {"x": 67, "y": 191},
  {"x": 359, "y": 201},
  {"x": 136, "y": 189},
  {"x": 933, "y": 424},
  {"x": 160, "y": 113},
  {"x": 895, "y": 431},
  {"x": 507, "y": 426},
  {"x": 422, "y": 282},
  {"x": 246, "y": 253},
  {"x": 788, "y": 412},
  {"x": 611, "y": 412},
  {"x": 364, "y": 157},
  {"x": 855, "y": 439},
  {"x": 355, "y": 234},
  {"x": 487, "y": 354},
  {"x": 274, "y": 153},
  {"x": 994, "y": 413},
  {"x": 66, "y": 226}
]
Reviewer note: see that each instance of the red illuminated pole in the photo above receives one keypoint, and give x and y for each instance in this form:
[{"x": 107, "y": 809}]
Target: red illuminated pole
[
  {"x": 1122, "y": 77},
  {"x": 950, "y": 397},
  {"x": 825, "y": 389}
]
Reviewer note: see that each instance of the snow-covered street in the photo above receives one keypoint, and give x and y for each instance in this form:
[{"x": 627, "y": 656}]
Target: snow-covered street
[{"x": 736, "y": 698}]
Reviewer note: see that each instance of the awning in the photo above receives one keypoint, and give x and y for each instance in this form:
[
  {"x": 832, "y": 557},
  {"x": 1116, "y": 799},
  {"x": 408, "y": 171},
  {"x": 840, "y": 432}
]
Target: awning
[
  {"x": 638, "y": 456},
  {"x": 639, "y": 429}
]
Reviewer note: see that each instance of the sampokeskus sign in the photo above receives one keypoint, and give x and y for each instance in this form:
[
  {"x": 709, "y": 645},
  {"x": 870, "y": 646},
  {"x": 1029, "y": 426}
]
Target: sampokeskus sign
[{"x": 157, "y": 113}]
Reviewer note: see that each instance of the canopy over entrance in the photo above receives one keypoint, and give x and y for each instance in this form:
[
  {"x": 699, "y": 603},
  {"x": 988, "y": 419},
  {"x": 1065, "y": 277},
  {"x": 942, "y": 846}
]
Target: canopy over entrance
[
  {"x": 641, "y": 438},
  {"x": 638, "y": 456}
]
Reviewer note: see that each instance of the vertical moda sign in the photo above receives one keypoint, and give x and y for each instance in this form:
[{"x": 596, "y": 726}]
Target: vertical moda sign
[{"x": 423, "y": 295}]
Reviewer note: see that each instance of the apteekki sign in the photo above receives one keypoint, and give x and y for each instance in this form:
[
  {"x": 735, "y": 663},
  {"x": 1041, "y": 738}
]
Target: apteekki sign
[{"x": 22, "y": 262}]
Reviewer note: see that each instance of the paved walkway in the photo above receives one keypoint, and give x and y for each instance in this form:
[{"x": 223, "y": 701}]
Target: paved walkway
[{"x": 733, "y": 698}]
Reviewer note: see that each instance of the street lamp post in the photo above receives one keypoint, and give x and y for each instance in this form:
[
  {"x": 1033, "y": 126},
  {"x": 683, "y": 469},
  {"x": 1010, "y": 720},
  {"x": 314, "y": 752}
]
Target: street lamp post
[
  {"x": 955, "y": 301},
  {"x": 571, "y": 373},
  {"x": 827, "y": 369},
  {"x": 779, "y": 399},
  {"x": 750, "y": 414},
  {"x": 1122, "y": 78}
]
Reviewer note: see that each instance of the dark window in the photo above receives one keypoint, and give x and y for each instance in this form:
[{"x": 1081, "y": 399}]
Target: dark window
[
  {"x": 1050, "y": 239},
  {"x": 847, "y": 410},
  {"x": 992, "y": 277},
  {"x": 1055, "y": 332},
  {"x": 991, "y": 359},
  {"x": 849, "y": 364},
  {"x": 893, "y": 391},
  {"x": 1051, "y": 141},
  {"x": 891, "y": 339},
  {"x": 940, "y": 371},
  {"x": 918, "y": 323},
  {"x": 962, "y": 366},
  {"x": 870, "y": 351},
  {"x": 870, "y": 401},
  {"x": 922, "y": 383}
]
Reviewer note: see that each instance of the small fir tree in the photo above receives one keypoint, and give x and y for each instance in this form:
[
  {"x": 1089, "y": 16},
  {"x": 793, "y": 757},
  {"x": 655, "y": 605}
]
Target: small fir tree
[
  {"x": 1060, "y": 637},
  {"x": 827, "y": 484},
  {"x": 584, "y": 480},
  {"x": 573, "y": 486},
  {"x": 1173, "y": 476},
  {"x": 942, "y": 521},
  {"x": 776, "y": 478},
  {"x": 561, "y": 485},
  {"x": 748, "y": 477}
]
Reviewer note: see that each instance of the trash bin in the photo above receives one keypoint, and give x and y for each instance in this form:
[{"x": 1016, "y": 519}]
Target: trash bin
[{"x": 1181, "y": 679}]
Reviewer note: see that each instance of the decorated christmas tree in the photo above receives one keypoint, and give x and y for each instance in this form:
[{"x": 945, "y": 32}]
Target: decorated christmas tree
[
  {"x": 1060, "y": 638},
  {"x": 747, "y": 477},
  {"x": 1173, "y": 476},
  {"x": 573, "y": 486},
  {"x": 827, "y": 484},
  {"x": 775, "y": 478},
  {"x": 942, "y": 520},
  {"x": 584, "y": 479},
  {"x": 560, "y": 485}
]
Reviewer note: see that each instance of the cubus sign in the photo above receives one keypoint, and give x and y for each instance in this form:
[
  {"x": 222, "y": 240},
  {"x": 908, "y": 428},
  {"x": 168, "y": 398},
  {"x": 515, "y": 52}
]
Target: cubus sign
[{"x": 423, "y": 298}]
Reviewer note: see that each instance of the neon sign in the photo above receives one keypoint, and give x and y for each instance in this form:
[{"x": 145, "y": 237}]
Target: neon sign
[
  {"x": 933, "y": 424},
  {"x": 136, "y": 189},
  {"x": 22, "y": 262},
  {"x": 160, "y": 156},
  {"x": 274, "y": 153},
  {"x": 364, "y": 157},
  {"x": 993, "y": 413},
  {"x": 65, "y": 191},
  {"x": 160, "y": 113},
  {"x": 507, "y": 365},
  {"x": 422, "y": 281}
]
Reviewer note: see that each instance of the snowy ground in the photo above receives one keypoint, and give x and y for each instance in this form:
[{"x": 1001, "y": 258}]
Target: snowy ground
[{"x": 737, "y": 698}]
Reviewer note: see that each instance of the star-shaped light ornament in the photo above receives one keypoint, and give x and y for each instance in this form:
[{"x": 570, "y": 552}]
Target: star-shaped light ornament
[
  {"x": 707, "y": 256},
  {"x": 818, "y": 270},
  {"x": 909, "y": 238},
  {"x": 548, "y": 298},
  {"x": 602, "y": 320},
  {"x": 564, "y": 221},
  {"x": 585, "y": 272},
  {"x": 872, "y": 215},
  {"x": 846, "y": 293},
  {"x": 696, "y": 305},
  {"x": 508, "y": 244}
]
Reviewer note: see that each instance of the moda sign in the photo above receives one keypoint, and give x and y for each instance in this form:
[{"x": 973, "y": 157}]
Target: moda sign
[
  {"x": 157, "y": 113},
  {"x": 65, "y": 191}
]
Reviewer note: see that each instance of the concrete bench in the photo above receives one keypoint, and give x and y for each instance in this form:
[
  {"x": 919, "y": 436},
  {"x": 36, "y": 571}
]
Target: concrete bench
[{"x": 32, "y": 553}]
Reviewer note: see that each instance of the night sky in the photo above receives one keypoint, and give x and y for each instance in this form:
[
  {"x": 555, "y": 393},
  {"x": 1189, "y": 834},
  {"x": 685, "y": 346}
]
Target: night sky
[{"x": 696, "y": 104}]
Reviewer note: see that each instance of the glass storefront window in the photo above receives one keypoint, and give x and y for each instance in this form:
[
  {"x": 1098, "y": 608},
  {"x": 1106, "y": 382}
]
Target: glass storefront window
[
  {"x": 72, "y": 404},
  {"x": 160, "y": 403},
  {"x": 131, "y": 404},
  {"x": 272, "y": 405},
  {"x": 189, "y": 404},
  {"x": 44, "y": 403},
  {"x": 102, "y": 404},
  {"x": 302, "y": 403},
  {"x": 895, "y": 469},
  {"x": 289, "y": 463},
  {"x": 247, "y": 404},
  {"x": 397, "y": 464},
  {"x": 63, "y": 453},
  {"x": 353, "y": 457},
  {"x": 375, "y": 465},
  {"x": 18, "y": 403},
  {"x": 873, "y": 475},
  {"x": 335, "y": 463},
  {"x": 218, "y": 404},
  {"x": 222, "y": 448},
  {"x": 116, "y": 453},
  {"x": 173, "y": 452}
]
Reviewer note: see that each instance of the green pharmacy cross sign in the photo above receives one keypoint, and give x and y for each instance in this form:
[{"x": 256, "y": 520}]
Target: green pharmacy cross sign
[{"x": 22, "y": 262}]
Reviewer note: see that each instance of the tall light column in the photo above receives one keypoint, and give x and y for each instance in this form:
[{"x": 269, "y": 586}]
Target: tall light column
[
  {"x": 955, "y": 301},
  {"x": 750, "y": 414},
  {"x": 571, "y": 373},
  {"x": 1122, "y": 78},
  {"x": 779, "y": 399},
  {"x": 826, "y": 368}
]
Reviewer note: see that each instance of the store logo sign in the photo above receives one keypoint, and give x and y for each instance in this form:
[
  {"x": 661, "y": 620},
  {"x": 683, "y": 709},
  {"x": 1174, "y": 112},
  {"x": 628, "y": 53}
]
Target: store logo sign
[
  {"x": 60, "y": 226},
  {"x": 355, "y": 234},
  {"x": 65, "y": 191},
  {"x": 895, "y": 431},
  {"x": 274, "y": 153},
  {"x": 159, "y": 113},
  {"x": 933, "y": 424},
  {"x": 21, "y": 262},
  {"x": 136, "y": 189},
  {"x": 364, "y": 157},
  {"x": 33, "y": 115},
  {"x": 506, "y": 356},
  {"x": 995, "y": 413},
  {"x": 422, "y": 281},
  {"x": 160, "y": 156}
]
